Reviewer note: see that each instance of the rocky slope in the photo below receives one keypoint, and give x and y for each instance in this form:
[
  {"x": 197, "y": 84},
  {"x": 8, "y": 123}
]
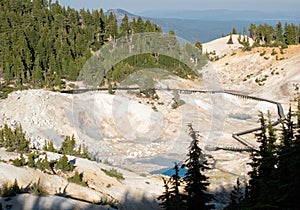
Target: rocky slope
[{"x": 139, "y": 134}]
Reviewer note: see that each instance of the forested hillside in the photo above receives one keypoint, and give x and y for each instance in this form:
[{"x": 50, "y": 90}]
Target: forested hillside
[{"x": 42, "y": 42}]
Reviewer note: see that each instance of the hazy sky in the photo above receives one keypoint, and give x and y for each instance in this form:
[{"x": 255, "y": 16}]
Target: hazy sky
[{"x": 145, "y": 5}]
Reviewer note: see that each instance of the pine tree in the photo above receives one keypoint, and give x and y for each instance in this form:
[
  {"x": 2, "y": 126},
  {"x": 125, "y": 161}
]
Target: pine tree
[
  {"x": 15, "y": 187},
  {"x": 234, "y": 31},
  {"x": 230, "y": 41},
  {"x": 290, "y": 34},
  {"x": 292, "y": 199},
  {"x": 236, "y": 197},
  {"x": 49, "y": 146},
  {"x": 285, "y": 155},
  {"x": 124, "y": 26},
  {"x": 21, "y": 143},
  {"x": 112, "y": 27},
  {"x": 85, "y": 153},
  {"x": 198, "y": 45},
  {"x": 64, "y": 164},
  {"x": 149, "y": 27},
  {"x": 19, "y": 161},
  {"x": 165, "y": 198},
  {"x": 253, "y": 32},
  {"x": 31, "y": 160},
  {"x": 176, "y": 198},
  {"x": 263, "y": 164},
  {"x": 140, "y": 25},
  {"x": 45, "y": 163},
  {"x": 68, "y": 145},
  {"x": 279, "y": 35},
  {"x": 196, "y": 181}
]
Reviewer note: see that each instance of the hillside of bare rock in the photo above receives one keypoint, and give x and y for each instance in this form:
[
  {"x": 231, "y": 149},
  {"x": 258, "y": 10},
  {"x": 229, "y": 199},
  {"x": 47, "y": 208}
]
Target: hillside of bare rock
[{"x": 265, "y": 71}]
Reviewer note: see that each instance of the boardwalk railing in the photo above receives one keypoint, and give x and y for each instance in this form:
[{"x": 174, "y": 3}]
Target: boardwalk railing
[{"x": 236, "y": 136}]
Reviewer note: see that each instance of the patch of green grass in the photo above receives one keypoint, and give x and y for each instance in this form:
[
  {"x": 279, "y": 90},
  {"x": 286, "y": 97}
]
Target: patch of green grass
[{"x": 113, "y": 173}]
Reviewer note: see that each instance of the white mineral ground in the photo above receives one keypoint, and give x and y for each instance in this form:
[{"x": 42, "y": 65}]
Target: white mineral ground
[{"x": 124, "y": 130}]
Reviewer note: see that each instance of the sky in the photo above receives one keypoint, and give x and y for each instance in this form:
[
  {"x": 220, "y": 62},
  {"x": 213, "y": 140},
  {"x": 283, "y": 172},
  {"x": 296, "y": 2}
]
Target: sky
[{"x": 148, "y": 5}]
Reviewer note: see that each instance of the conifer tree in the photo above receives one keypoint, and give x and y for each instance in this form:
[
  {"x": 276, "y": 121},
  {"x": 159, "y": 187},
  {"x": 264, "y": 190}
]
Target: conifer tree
[
  {"x": 274, "y": 182},
  {"x": 31, "y": 160},
  {"x": 112, "y": 26},
  {"x": 279, "y": 35},
  {"x": 230, "y": 41},
  {"x": 15, "y": 187},
  {"x": 196, "y": 181},
  {"x": 234, "y": 31},
  {"x": 253, "y": 32},
  {"x": 49, "y": 146},
  {"x": 64, "y": 164},
  {"x": 149, "y": 27},
  {"x": 45, "y": 163},
  {"x": 198, "y": 45},
  {"x": 292, "y": 199},
  {"x": 19, "y": 161},
  {"x": 140, "y": 25},
  {"x": 236, "y": 197},
  {"x": 124, "y": 26},
  {"x": 285, "y": 156},
  {"x": 165, "y": 198},
  {"x": 176, "y": 198},
  {"x": 68, "y": 145},
  {"x": 263, "y": 167}
]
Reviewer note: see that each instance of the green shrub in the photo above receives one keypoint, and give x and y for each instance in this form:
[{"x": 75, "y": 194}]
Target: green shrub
[
  {"x": 113, "y": 173},
  {"x": 263, "y": 53},
  {"x": 43, "y": 164},
  {"x": 77, "y": 178},
  {"x": 31, "y": 160},
  {"x": 19, "y": 161},
  {"x": 37, "y": 189},
  {"x": 273, "y": 52},
  {"x": 9, "y": 191}
]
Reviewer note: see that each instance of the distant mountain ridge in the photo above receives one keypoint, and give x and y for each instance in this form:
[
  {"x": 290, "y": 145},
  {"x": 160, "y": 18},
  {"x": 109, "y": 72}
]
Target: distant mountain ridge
[
  {"x": 222, "y": 14},
  {"x": 207, "y": 25},
  {"x": 120, "y": 14}
]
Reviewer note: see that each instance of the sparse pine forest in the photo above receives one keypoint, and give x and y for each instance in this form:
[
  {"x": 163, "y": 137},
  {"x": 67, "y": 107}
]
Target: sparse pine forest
[
  {"x": 270, "y": 36},
  {"x": 280, "y": 35},
  {"x": 14, "y": 140}
]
